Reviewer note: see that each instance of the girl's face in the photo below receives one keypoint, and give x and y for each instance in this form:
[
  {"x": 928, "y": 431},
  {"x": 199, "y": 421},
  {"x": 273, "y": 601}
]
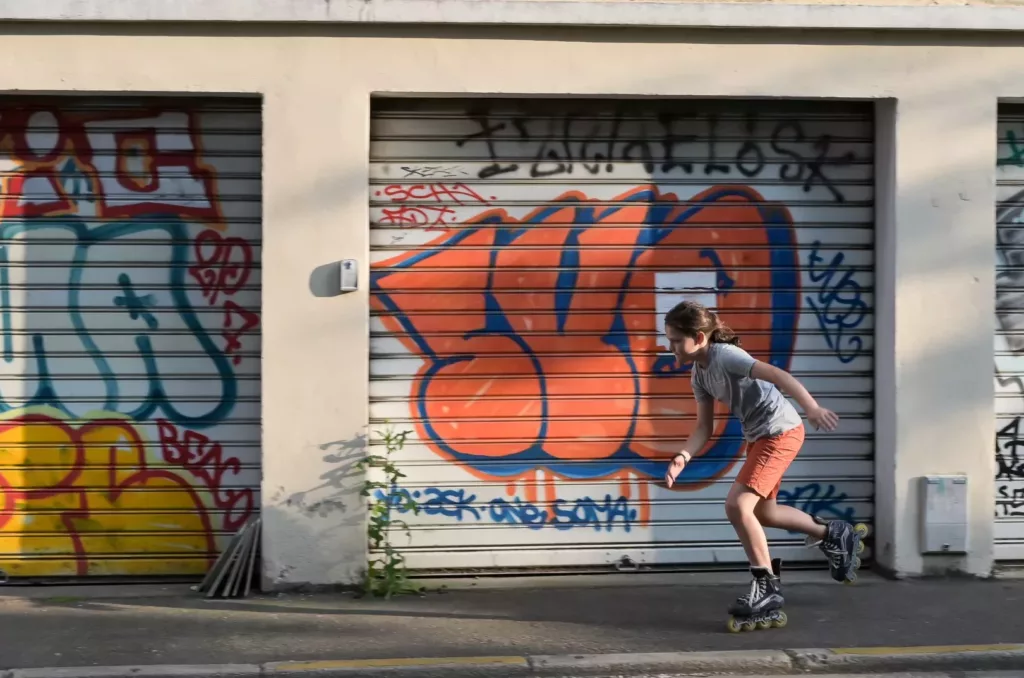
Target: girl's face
[{"x": 686, "y": 348}]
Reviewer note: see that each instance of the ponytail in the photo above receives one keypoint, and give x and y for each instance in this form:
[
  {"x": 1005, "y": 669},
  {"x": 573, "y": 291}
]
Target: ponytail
[{"x": 722, "y": 333}]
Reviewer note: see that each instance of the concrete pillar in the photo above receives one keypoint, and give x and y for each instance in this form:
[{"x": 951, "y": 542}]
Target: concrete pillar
[
  {"x": 935, "y": 296},
  {"x": 315, "y": 340}
]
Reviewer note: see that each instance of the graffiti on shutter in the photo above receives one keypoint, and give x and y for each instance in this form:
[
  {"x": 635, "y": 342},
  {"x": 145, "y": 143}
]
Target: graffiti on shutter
[
  {"x": 1009, "y": 339},
  {"x": 522, "y": 266},
  {"x": 129, "y": 346}
]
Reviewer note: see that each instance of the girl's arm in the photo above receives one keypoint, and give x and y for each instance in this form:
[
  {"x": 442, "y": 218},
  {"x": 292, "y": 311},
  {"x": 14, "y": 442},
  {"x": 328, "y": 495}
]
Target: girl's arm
[
  {"x": 819, "y": 417},
  {"x": 695, "y": 443}
]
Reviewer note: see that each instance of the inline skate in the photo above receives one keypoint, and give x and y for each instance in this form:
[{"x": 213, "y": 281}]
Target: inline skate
[
  {"x": 761, "y": 608},
  {"x": 842, "y": 545}
]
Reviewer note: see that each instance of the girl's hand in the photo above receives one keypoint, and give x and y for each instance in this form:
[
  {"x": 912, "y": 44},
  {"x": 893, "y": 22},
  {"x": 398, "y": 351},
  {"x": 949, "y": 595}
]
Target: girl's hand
[
  {"x": 675, "y": 467},
  {"x": 821, "y": 418}
]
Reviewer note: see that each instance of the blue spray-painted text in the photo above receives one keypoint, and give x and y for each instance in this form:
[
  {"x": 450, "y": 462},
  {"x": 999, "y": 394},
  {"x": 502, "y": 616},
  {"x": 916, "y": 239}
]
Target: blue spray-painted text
[
  {"x": 838, "y": 304},
  {"x": 816, "y": 499},
  {"x": 605, "y": 513}
]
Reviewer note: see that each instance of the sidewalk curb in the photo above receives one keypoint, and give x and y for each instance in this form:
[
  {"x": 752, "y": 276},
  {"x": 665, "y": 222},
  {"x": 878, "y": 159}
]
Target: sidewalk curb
[
  {"x": 933, "y": 658},
  {"x": 763, "y": 662}
]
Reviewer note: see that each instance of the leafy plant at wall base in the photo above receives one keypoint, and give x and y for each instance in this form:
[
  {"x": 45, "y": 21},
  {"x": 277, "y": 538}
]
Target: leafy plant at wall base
[{"x": 386, "y": 572}]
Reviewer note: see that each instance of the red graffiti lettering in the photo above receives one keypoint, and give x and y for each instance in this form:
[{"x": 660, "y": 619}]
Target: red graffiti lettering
[
  {"x": 135, "y": 164},
  {"x": 430, "y": 217},
  {"x": 222, "y": 267},
  {"x": 232, "y": 331},
  {"x": 222, "y": 264},
  {"x": 458, "y": 193},
  {"x": 150, "y": 165},
  {"x": 205, "y": 459},
  {"x": 34, "y": 192},
  {"x": 38, "y": 141}
]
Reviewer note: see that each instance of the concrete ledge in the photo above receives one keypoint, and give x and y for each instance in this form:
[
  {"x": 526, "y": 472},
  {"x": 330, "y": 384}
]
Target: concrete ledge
[
  {"x": 151, "y": 671},
  {"x": 936, "y": 658},
  {"x": 678, "y": 13},
  {"x": 430, "y": 667},
  {"x": 765, "y": 662},
  {"x": 759, "y": 662}
]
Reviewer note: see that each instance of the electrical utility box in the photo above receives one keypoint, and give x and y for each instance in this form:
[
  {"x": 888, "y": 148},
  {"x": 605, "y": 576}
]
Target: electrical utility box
[{"x": 944, "y": 514}]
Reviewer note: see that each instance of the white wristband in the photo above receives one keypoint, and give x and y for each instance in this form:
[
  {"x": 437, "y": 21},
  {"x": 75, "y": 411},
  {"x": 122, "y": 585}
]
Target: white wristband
[{"x": 686, "y": 456}]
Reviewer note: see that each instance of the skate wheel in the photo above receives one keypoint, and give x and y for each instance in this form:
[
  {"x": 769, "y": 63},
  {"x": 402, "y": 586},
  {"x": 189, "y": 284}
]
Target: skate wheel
[
  {"x": 851, "y": 578},
  {"x": 861, "y": 529},
  {"x": 764, "y": 624},
  {"x": 781, "y": 621},
  {"x": 856, "y": 563},
  {"x": 860, "y": 547},
  {"x": 733, "y": 625}
]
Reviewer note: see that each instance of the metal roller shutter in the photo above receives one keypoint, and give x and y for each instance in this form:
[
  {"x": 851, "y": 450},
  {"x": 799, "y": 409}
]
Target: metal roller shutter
[
  {"x": 523, "y": 255},
  {"x": 1009, "y": 339},
  {"x": 129, "y": 333}
]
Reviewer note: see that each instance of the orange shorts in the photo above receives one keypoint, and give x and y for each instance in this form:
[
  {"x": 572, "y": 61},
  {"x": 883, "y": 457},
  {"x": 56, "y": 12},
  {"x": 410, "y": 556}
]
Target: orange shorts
[{"x": 768, "y": 459}]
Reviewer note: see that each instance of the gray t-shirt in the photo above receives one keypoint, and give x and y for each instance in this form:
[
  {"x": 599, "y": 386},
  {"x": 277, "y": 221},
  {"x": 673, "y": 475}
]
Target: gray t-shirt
[{"x": 762, "y": 409}]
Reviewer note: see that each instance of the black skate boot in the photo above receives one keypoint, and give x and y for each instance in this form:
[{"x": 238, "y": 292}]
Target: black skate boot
[
  {"x": 761, "y": 608},
  {"x": 841, "y": 545}
]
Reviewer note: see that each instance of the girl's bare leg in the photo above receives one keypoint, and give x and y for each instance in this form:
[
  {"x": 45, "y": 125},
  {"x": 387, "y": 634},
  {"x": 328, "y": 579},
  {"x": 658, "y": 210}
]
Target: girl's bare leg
[
  {"x": 740, "y": 507},
  {"x": 772, "y": 514}
]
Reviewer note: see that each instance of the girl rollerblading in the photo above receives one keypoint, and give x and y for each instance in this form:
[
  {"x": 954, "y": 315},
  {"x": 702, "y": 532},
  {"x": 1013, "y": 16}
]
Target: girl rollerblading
[{"x": 774, "y": 433}]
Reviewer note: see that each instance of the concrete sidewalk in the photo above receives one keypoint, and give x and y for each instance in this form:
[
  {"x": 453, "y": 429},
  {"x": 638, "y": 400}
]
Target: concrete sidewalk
[{"x": 101, "y": 626}]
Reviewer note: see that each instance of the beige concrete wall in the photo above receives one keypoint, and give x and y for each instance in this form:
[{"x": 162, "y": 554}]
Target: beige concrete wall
[{"x": 935, "y": 404}]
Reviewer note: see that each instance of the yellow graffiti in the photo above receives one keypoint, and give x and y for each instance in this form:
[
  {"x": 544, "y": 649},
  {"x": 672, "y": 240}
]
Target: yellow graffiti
[{"x": 81, "y": 498}]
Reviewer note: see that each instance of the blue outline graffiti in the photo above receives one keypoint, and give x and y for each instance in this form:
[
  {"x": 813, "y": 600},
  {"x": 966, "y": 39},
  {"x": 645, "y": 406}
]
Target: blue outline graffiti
[
  {"x": 112, "y": 400},
  {"x": 785, "y": 302},
  {"x": 137, "y": 307}
]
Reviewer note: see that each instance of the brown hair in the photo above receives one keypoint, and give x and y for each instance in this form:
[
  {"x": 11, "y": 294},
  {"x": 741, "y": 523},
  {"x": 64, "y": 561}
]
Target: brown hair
[{"x": 689, "y": 317}]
